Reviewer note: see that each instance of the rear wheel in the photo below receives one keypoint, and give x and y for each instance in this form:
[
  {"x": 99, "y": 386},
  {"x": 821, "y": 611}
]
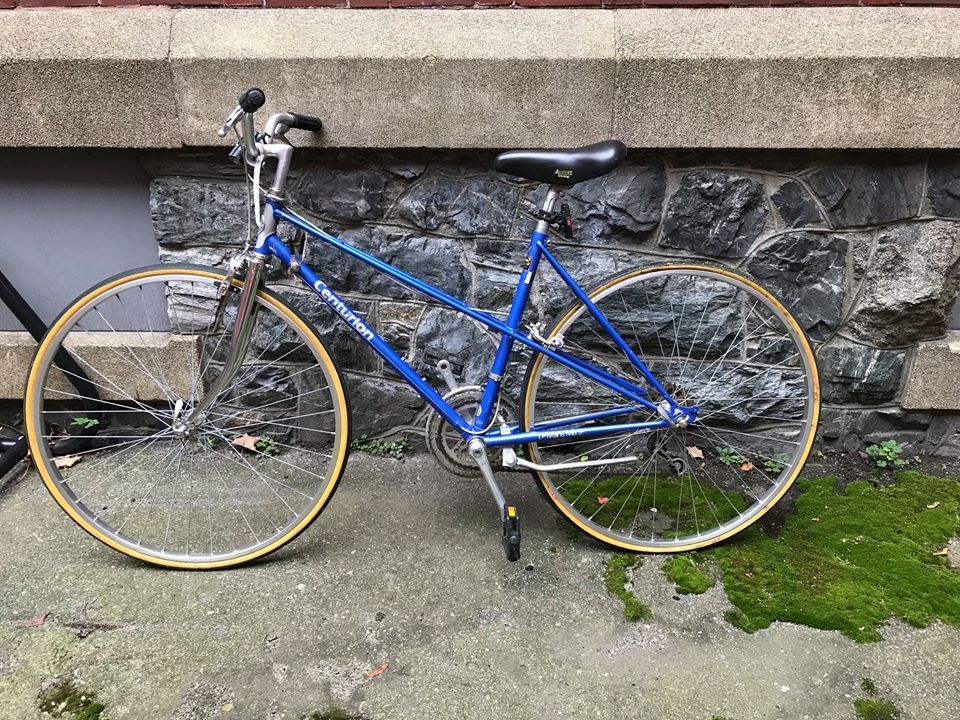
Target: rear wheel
[
  {"x": 247, "y": 479},
  {"x": 715, "y": 340}
]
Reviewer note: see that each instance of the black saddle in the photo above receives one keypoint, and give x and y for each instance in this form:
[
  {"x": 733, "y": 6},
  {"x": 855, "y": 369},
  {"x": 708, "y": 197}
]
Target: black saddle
[{"x": 563, "y": 167}]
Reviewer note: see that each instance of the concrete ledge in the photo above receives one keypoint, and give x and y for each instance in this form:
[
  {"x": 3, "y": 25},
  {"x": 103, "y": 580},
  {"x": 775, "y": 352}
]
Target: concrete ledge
[
  {"x": 750, "y": 78},
  {"x": 932, "y": 378},
  {"x": 87, "y": 78},
  {"x": 175, "y": 354}
]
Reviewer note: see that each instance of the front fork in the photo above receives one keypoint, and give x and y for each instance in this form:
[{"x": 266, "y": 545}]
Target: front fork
[{"x": 243, "y": 327}]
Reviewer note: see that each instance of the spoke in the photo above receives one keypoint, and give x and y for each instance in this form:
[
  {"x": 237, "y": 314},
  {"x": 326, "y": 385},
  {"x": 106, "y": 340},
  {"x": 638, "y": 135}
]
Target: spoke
[
  {"x": 151, "y": 442},
  {"x": 146, "y": 408},
  {"x": 733, "y": 344},
  {"x": 170, "y": 395},
  {"x": 288, "y": 377},
  {"x": 260, "y": 475},
  {"x": 739, "y": 450},
  {"x": 143, "y": 501},
  {"x": 115, "y": 445},
  {"x": 239, "y": 506},
  {"x": 703, "y": 390},
  {"x": 696, "y": 334},
  {"x": 155, "y": 412}
]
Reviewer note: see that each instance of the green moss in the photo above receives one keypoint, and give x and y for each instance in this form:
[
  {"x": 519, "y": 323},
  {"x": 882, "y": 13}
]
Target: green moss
[
  {"x": 615, "y": 580},
  {"x": 610, "y": 505},
  {"x": 875, "y": 709},
  {"x": 64, "y": 700},
  {"x": 331, "y": 715},
  {"x": 686, "y": 573},
  {"x": 850, "y": 561}
]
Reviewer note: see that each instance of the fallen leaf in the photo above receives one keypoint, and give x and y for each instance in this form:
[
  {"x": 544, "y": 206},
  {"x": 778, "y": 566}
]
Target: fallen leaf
[
  {"x": 37, "y": 620},
  {"x": 376, "y": 672},
  {"x": 942, "y": 552},
  {"x": 601, "y": 499},
  {"x": 695, "y": 452},
  {"x": 747, "y": 466},
  {"x": 932, "y": 505},
  {"x": 228, "y": 707},
  {"x": 247, "y": 441},
  {"x": 67, "y": 461}
]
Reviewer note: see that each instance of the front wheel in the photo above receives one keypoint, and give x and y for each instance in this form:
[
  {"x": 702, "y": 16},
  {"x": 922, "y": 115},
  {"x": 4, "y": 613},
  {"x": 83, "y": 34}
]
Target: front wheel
[
  {"x": 715, "y": 340},
  {"x": 243, "y": 480}
]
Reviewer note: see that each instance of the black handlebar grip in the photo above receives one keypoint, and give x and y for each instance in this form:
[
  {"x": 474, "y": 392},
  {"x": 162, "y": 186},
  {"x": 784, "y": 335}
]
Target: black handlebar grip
[
  {"x": 252, "y": 100},
  {"x": 306, "y": 122}
]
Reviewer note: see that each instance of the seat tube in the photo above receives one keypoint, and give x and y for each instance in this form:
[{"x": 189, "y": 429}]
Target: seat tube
[{"x": 491, "y": 387}]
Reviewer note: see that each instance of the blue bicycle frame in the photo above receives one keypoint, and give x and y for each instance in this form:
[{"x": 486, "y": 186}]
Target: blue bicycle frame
[{"x": 637, "y": 398}]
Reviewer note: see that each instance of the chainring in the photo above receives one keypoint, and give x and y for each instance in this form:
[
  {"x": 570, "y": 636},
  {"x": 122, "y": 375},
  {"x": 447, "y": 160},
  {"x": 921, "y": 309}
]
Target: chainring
[{"x": 445, "y": 443}]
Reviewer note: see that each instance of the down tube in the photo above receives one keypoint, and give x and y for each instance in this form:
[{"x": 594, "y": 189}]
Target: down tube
[{"x": 379, "y": 345}]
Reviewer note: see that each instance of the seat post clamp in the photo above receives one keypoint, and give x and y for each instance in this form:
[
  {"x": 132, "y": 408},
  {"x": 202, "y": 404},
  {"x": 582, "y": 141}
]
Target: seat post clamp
[{"x": 562, "y": 219}]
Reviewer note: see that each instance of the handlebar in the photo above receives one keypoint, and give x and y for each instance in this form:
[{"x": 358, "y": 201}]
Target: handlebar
[
  {"x": 306, "y": 122},
  {"x": 252, "y": 100}
]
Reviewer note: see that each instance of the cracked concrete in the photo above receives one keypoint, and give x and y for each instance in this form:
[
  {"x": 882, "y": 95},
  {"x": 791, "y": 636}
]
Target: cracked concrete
[{"x": 405, "y": 567}]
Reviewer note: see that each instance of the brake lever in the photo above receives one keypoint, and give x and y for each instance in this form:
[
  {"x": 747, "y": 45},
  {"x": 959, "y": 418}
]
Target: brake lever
[{"x": 232, "y": 119}]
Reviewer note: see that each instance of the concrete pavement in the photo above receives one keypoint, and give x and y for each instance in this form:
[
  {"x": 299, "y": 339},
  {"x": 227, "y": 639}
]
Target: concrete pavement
[{"x": 405, "y": 568}]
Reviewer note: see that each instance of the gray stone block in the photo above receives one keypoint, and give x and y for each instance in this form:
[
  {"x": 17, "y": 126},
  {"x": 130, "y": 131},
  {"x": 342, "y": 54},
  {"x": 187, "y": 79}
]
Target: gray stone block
[
  {"x": 910, "y": 286},
  {"x": 932, "y": 380},
  {"x": 715, "y": 213}
]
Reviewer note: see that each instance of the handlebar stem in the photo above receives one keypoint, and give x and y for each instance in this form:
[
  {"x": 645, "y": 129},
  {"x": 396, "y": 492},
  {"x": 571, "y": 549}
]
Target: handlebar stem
[{"x": 249, "y": 134}]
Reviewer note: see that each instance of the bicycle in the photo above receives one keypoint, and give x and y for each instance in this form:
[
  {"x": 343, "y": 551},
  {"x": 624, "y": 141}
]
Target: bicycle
[{"x": 664, "y": 410}]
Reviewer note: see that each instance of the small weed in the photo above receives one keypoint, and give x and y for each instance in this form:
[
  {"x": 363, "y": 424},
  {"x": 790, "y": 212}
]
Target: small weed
[
  {"x": 380, "y": 448},
  {"x": 886, "y": 454},
  {"x": 686, "y": 573},
  {"x": 85, "y": 422},
  {"x": 868, "y": 686},
  {"x": 875, "y": 709},
  {"x": 774, "y": 464},
  {"x": 729, "y": 456},
  {"x": 615, "y": 579},
  {"x": 64, "y": 700},
  {"x": 267, "y": 446}
]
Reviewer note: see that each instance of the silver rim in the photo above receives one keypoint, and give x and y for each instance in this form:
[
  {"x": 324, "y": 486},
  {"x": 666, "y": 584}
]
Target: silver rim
[
  {"x": 246, "y": 479},
  {"x": 717, "y": 343}
]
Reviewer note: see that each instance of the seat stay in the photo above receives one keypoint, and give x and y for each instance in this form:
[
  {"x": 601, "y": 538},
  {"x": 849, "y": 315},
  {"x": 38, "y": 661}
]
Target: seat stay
[{"x": 608, "y": 328}]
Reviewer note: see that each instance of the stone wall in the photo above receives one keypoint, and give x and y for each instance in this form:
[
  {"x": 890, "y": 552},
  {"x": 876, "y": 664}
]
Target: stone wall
[{"x": 863, "y": 248}]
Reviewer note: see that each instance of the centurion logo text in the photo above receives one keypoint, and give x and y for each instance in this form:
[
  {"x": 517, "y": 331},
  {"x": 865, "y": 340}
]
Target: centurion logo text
[{"x": 345, "y": 312}]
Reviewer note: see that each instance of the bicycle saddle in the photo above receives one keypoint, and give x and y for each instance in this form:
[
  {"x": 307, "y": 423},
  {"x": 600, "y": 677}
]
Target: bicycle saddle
[{"x": 563, "y": 167}]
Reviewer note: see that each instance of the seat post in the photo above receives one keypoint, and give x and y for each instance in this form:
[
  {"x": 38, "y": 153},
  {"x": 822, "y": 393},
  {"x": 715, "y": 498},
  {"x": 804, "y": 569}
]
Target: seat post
[{"x": 543, "y": 227}]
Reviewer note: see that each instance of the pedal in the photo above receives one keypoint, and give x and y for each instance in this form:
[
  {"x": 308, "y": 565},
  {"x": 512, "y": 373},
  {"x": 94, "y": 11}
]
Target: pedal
[{"x": 511, "y": 533}]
